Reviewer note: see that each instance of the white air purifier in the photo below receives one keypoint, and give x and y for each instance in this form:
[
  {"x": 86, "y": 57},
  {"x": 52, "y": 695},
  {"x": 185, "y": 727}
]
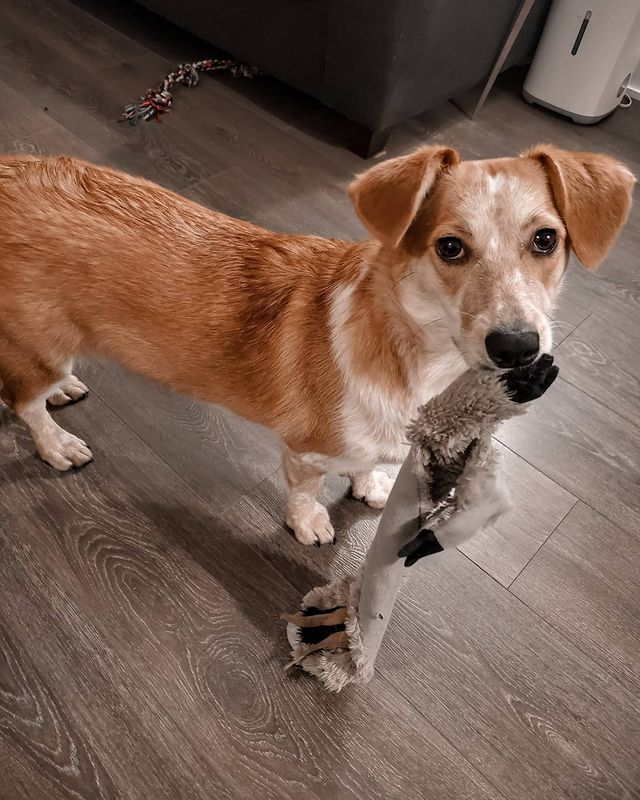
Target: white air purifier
[{"x": 585, "y": 58}]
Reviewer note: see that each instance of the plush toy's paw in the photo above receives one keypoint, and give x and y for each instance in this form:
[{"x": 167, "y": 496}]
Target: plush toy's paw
[
  {"x": 424, "y": 544},
  {"x": 528, "y": 383}
]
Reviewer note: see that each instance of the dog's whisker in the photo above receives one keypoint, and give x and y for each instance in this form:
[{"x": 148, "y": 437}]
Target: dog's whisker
[
  {"x": 433, "y": 322},
  {"x": 406, "y": 275}
]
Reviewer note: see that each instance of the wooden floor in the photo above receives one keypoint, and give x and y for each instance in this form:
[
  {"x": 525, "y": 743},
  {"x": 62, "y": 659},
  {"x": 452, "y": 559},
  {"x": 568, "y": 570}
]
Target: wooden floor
[{"x": 141, "y": 654}]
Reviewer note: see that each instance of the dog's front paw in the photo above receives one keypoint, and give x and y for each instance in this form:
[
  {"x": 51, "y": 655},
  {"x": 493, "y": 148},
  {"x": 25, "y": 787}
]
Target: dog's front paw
[
  {"x": 65, "y": 451},
  {"x": 372, "y": 487},
  {"x": 312, "y": 525}
]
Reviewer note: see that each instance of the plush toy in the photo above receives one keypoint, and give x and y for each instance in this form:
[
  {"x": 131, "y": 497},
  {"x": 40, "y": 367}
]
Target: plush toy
[{"x": 447, "y": 490}]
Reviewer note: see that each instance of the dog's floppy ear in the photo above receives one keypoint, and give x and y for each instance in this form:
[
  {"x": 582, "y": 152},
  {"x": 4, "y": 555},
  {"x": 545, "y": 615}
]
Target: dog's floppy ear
[
  {"x": 388, "y": 196},
  {"x": 593, "y": 195}
]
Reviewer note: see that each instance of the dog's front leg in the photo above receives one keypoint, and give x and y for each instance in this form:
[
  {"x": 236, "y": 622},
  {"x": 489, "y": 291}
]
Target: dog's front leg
[
  {"x": 309, "y": 520},
  {"x": 373, "y": 487}
]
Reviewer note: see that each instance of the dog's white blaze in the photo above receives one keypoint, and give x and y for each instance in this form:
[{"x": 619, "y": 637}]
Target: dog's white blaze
[
  {"x": 495, "y": 183},
  {"x": 373, "y": 421},
  {"x": 372, "y": 425}
]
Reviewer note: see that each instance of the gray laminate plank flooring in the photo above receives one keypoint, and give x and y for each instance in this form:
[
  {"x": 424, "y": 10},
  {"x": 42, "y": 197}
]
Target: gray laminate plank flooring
[{"x": 141, "y": 652}]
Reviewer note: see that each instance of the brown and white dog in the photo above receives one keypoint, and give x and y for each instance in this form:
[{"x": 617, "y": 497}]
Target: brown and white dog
[{"x": 332, "y": 344}]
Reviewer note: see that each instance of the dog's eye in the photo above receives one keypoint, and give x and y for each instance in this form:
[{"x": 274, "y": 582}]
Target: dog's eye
[
  {"x": 450, "y": 248},
  {"x": 544, "y": 241}
]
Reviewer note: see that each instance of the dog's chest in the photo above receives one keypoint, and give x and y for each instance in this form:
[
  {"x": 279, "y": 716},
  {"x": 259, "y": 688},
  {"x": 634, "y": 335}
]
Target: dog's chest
[{"x": 375, "y": 417}]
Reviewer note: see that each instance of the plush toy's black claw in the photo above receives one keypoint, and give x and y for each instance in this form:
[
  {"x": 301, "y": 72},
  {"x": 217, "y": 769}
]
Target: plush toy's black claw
[
  {"x": 424, "y": 544},
  {"x": 528, "y": 383}
]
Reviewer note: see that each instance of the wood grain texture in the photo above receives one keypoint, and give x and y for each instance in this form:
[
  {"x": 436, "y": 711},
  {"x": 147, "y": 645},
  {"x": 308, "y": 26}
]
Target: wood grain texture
[
  {"x": 534, "y": 714},
  {"x": 585, "y": 583},
  {"x": 153, "y": 600},
  {"x": 111, "y": 705},
  {"x": 603, "y": 360},
  {"x": 275, "y": 182},
  {"x": 27, "y": 128},
  {"x": 525, "y": 707},
  {"x": 538, "y": 506},
  {"x": 608, "y": 298},
  {"x": 82, "y": 37},
  {"x": 21, "y": 119},
  {"x": 38, "y": 736},
  {"x": 250, "y": 193},
  {"x": 588, "y": 449},
  {"x": 218, "y": 454}
]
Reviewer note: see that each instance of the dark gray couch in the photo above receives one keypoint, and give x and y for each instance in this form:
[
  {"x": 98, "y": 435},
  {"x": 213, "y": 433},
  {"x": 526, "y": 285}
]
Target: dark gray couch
[{"x": 378, "y": 62}]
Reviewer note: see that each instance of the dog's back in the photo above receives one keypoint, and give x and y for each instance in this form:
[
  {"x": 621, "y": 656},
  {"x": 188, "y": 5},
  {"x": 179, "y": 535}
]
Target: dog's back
[{"x": 96, "y": 261}]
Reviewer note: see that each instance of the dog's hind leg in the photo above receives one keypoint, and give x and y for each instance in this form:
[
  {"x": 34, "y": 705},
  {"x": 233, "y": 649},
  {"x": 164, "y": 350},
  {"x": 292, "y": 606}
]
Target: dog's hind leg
[
  {"x": 70, "y": 390},
  {"x": 27, "y": 395}
]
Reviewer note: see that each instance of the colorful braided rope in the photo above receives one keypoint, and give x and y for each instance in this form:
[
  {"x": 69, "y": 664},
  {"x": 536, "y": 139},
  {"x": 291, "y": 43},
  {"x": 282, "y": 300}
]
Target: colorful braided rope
[{"x": 157, "y": 102}]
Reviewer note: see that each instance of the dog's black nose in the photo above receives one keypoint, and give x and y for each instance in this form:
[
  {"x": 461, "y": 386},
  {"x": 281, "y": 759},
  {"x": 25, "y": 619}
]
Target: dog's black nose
[{"x": 512, "y": 348}]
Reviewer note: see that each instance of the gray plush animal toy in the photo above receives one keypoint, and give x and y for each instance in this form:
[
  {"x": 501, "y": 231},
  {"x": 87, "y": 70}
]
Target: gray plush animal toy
[{"x": 447, "y": 490}]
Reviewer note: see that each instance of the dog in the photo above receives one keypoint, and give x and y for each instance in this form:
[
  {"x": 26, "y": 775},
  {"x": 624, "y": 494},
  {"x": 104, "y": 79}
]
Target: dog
[{"x": 332, "y": 344}]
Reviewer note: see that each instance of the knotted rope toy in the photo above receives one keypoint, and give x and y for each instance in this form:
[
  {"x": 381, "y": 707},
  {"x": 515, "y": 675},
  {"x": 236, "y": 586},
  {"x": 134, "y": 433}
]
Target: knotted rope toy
[
  {"x": 447, "y": 490},
  {"x": 156, "y": 102}
]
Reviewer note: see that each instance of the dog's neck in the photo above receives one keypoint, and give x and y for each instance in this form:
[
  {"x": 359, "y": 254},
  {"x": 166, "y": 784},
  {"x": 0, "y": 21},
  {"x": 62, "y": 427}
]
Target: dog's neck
[{"x": 399, "y": 337}]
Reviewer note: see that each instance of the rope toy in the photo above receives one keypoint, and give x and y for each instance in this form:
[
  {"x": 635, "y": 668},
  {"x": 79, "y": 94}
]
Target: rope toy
[
  {"x": 156, "y": 102},
  {"x": 447, "y": 490}
]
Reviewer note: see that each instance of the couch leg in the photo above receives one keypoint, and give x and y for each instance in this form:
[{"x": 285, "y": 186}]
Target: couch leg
[{"x": 366, "y": 142}]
